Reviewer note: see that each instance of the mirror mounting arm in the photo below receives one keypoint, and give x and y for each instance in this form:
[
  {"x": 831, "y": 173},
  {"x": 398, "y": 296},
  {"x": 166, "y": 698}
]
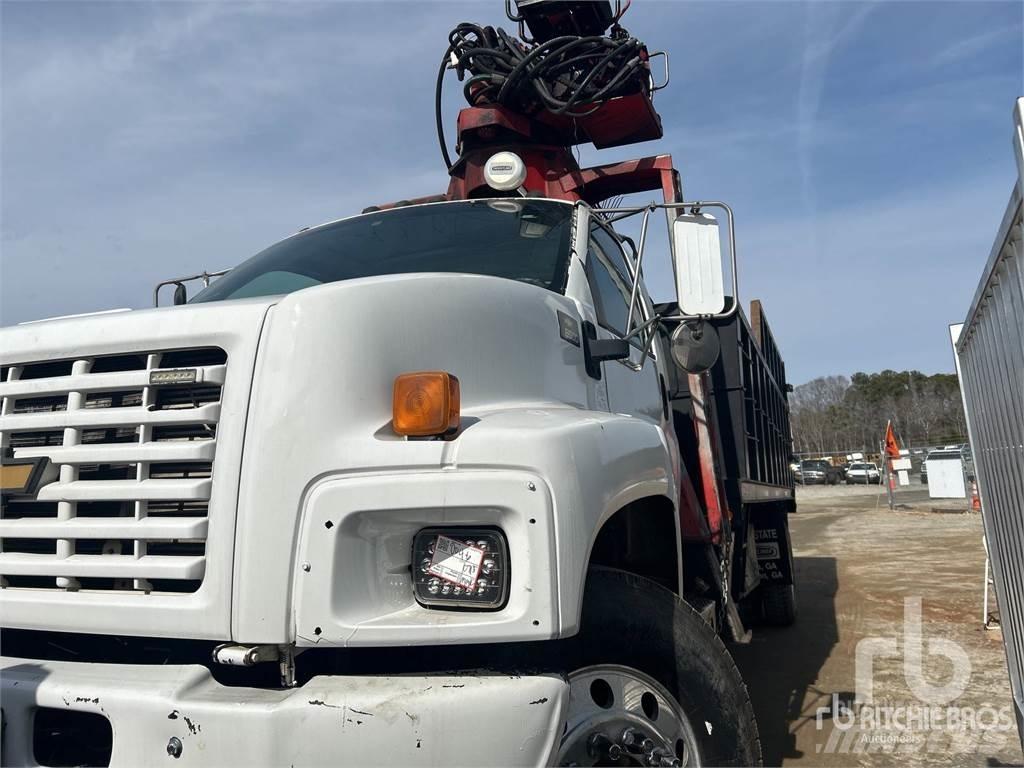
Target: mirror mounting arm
[
  {"x": 649, "y": 341},
  {"x": 694, "y": 206},
  {"x": 637, "y": 271},
  {"x": 178, "y": 282}
]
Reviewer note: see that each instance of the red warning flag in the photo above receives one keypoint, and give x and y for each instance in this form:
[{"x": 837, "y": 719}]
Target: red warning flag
[{"x": 892, "y": 448}]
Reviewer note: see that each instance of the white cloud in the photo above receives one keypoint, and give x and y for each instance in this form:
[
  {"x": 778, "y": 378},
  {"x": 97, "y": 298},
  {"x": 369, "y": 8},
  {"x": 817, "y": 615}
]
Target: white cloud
[
  {"x": 971, "y": 46},
  {"x": 827, "y": 28}
]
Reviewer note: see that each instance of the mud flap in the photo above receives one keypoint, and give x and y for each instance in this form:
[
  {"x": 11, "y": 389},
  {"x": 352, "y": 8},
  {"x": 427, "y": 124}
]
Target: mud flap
[{"x": 773, "y": 546}]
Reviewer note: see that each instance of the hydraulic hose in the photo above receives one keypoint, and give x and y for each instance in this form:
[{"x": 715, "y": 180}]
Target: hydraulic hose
[{"x": 569, "y": 75}]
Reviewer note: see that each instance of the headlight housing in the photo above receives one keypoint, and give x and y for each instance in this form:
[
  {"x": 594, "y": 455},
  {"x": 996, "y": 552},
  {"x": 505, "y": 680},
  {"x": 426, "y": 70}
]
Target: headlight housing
[{"x": 461, "y": 568}]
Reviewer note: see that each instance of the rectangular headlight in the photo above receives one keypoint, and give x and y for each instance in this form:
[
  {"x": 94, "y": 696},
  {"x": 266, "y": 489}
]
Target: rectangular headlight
[{"x": 461, "y": 568}]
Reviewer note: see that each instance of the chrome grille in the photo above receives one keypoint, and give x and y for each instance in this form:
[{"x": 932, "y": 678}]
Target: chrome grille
[{"x": 125, "y": 503}]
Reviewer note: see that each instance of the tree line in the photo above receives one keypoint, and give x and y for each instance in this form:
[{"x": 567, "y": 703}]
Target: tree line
[{"x": 837, "y": 415}]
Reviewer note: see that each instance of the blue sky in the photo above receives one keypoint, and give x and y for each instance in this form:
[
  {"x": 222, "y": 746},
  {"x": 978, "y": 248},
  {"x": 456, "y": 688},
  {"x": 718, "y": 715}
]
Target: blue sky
[{"x": 864, "y": 146}]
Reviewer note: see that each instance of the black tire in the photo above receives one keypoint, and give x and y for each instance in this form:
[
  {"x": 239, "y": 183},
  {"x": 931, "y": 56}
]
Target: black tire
[
  {"x": 778, "y": 604},
  {"x": 634, "y": 622}
]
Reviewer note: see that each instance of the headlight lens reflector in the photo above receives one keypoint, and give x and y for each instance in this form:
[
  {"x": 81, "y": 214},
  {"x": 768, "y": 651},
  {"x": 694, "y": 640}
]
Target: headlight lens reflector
[{"x": 461, "y": 568}]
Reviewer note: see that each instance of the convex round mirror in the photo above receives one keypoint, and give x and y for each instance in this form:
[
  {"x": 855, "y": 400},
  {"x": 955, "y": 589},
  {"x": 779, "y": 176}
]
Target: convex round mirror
[{"x": 695, "y": 346}]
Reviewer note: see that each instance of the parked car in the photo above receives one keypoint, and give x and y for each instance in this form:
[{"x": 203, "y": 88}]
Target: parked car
[
  {"x": 819, "y": 472},
  {"x": 863, "y": 472},
  {"x": 810, "y": 474}
]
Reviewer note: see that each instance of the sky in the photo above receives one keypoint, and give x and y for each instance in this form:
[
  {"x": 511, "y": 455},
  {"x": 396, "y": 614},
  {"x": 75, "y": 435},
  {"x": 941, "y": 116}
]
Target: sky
[{"x": 865, "y": 148}]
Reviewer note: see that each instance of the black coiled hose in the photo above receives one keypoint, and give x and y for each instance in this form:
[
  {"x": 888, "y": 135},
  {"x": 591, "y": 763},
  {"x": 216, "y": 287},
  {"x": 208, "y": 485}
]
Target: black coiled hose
[{"x": 568, "y": 75}]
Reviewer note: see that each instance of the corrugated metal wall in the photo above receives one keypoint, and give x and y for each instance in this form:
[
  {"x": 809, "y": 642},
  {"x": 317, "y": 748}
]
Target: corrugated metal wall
[{"x": 990, "y": 356}]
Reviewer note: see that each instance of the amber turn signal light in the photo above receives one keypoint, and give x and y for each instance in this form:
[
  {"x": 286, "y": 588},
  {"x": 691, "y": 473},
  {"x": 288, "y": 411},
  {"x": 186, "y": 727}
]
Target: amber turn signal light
[{"x": 426, "y": 403}]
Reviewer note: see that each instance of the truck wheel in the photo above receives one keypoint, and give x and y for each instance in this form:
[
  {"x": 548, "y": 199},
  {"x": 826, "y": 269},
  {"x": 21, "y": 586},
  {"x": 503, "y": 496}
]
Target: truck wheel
[
  {"x": 651, "y": 683},
  {"x": 778, "y": 604}
]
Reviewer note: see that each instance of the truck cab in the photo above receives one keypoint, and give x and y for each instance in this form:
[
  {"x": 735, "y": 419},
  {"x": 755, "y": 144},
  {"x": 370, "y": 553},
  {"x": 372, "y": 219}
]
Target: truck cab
[{"x": 231, "y": 473}]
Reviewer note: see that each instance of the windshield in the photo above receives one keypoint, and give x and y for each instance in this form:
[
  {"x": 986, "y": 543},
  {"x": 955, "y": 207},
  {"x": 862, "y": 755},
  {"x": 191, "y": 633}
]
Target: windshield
[
  {"x": 863, "y": 466},
  {"x": 524, "y": 240},
  {"x": 815, "y": 465}
]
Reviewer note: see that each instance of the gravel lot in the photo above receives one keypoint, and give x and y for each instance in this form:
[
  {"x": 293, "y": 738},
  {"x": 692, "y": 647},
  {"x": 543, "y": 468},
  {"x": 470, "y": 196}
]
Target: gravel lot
[{"x": 857, "y": 564}]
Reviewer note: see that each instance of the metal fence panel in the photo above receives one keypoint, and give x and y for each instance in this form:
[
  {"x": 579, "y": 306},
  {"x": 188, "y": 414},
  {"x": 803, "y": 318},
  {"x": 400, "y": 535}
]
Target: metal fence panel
[{"x": 990, "y": 362}]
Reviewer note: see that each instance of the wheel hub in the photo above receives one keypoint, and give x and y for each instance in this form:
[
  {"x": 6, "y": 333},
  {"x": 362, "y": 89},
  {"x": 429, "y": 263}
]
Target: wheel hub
[{"x": 621, "y": 716}]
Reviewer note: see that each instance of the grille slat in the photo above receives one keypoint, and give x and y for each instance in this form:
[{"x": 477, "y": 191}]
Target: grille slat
[
  {"x": 127, "y": 490},
  {"x": 149, "y": 528},
  {"x": 78, "y": 418},
  {"x": 124, "y": 506},
  {"x": 103, "y": 566},
  {"x": 128, "y": 453},
  {"x": 99, "y": 382}
]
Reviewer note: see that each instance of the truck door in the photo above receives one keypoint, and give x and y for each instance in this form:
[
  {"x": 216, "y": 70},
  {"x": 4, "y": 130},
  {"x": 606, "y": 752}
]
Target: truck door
[{"x": 631, "y": 389}]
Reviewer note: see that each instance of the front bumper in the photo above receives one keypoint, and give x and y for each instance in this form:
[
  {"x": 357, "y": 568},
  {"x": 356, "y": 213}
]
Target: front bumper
[
  {"x": 872, "y": 480},
  {"x": 484, "y": 719}
]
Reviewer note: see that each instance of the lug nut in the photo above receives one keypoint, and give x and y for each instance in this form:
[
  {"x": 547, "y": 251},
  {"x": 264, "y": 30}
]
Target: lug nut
[
  {"x": 600, "y": 746},
  {"x": 174, "y": 747}
]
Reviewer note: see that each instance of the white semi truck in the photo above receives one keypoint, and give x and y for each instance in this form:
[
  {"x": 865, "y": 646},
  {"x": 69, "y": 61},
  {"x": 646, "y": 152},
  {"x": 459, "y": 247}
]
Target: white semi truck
[{"x": 433, "y": 484}]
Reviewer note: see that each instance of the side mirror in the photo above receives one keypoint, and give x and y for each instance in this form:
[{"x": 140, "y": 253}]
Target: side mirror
[
  {"x": 180, "y": 294},
  {"x": 697, "y": 249},
  {"x": 695, "y": 346},
  {"x": 596, "y": 351},
  {"x": 608, "y": 349}
]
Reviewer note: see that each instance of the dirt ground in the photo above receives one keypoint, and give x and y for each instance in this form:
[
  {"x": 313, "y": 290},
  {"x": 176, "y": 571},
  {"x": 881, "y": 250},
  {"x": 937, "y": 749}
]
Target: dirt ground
[{"x": 821, "y": 700}]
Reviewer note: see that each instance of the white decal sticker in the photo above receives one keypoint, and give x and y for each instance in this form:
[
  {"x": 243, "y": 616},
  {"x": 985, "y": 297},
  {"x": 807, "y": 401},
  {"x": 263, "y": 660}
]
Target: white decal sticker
[
  {"x": 708, "y": 726},
  {"x": 456, "y": 561}
]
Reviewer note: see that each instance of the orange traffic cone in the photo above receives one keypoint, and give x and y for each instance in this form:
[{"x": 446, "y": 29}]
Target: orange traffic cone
[{"x": 975, "y": 498}]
